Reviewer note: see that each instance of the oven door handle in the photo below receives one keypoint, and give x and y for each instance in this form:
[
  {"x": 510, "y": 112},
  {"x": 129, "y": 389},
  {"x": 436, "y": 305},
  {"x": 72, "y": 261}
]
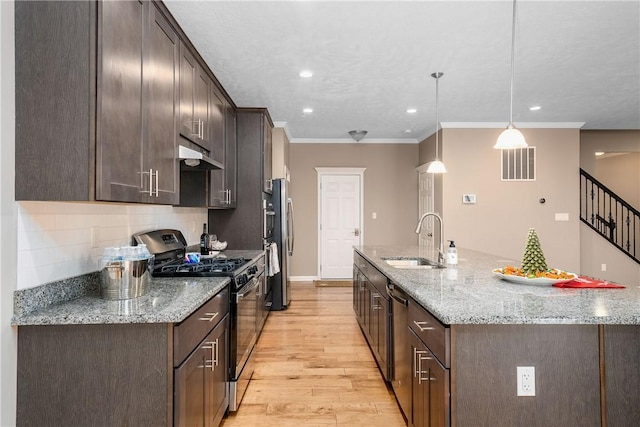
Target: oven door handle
[{"x": 253, "y": 283}]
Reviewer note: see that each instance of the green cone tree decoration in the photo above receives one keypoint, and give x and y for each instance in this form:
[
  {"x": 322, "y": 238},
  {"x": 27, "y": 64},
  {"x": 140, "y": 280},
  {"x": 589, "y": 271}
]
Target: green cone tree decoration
[{"x": 533, "y": 259}]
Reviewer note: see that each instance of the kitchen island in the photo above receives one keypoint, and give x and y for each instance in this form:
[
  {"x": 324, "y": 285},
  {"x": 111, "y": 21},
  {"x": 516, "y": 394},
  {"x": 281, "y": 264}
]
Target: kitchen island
[{"x": 583, "y": 343}]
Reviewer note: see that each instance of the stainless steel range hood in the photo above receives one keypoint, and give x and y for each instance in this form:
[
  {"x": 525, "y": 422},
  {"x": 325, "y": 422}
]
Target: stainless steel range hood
[{"x": 192, "y": 160}]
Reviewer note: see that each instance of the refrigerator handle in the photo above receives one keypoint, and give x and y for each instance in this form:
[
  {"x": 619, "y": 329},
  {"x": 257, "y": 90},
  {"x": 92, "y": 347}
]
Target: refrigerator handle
[{"x": 290, "y": 228}]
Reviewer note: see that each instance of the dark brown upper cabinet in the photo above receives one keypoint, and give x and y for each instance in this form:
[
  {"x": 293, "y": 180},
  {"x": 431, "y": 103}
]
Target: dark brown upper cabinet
[
  {"x": 201, "y": 106},
  {"x": 223, "y": 183},
  {"x": 96, "y": 98}
]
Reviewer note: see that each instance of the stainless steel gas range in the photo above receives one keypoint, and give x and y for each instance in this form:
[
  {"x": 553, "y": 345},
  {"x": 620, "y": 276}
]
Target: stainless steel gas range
[{"x": 246, "y": 306}]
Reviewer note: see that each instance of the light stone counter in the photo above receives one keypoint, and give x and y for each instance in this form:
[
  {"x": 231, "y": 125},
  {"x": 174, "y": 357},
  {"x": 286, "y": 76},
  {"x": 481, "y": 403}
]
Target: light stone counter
[
  {"x": 77, "y": 300},
  {"x": 469, "y": 293}
]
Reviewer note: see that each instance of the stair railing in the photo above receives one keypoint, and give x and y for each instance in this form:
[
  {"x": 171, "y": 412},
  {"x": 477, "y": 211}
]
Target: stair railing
[{"x": 609, "y": 215}]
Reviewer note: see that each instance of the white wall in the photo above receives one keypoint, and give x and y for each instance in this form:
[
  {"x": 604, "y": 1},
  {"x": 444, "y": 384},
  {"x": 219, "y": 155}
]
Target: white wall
[
  {"x": 7, "y": 218},
  {"x": 41, "y": 242}
]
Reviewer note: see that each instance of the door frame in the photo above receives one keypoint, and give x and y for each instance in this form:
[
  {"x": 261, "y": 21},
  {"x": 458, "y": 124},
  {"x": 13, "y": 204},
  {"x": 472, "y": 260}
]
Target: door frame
[
  {"x": 328, "y": 171},
  {"x": 422, "y": 169}
]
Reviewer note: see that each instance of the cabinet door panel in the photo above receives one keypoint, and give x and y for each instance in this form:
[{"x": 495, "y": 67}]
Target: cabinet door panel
[
  {"x": 191, "y": 391},
  {"x": 188, "y": 67},
  {"x": 216, "y": 125},
  {"x": 218, "y": 195},
  {"x": 220, "y": 381},
  {"x": 161, "y": 75},
  {"x": 119, "y": 132},
  {"x": 201, "y": 94},
  {"x": 439, "y": 414},
  {"x": 267, "y": 156},
  {"x": 419, "y": 387},
  {"x": 231, "y": 155}
]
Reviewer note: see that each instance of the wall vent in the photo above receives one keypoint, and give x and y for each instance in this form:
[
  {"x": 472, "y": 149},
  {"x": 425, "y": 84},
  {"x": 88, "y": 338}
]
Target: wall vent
[{"x": 519, "y": 164}]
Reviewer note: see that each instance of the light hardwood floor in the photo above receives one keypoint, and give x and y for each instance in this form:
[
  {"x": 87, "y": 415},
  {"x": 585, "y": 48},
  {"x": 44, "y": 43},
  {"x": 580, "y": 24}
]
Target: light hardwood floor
[{"x": 313, "y": 368}]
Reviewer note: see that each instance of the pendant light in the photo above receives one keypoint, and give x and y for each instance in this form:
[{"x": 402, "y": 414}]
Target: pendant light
[
  {"x": 437, "y": 166},
  {"x": 511, "y": 137}
]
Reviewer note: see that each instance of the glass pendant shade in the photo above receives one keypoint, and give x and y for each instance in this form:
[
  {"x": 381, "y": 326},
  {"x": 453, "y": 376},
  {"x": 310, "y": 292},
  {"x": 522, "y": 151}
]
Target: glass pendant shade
[
  {"x": 510, "y": 138},
  {"x": 436, "y": 167}
]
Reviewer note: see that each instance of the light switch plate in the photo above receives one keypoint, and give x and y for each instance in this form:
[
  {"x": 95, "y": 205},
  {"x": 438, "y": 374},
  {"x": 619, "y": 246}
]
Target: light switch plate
[{"x": 468, "y": 198}]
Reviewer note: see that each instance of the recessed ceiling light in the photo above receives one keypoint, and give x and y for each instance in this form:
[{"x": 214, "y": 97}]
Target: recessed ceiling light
[
  {"x": 307, "y": 110},
  {"x": 535, "y": 108},
  {"x": 407, "y": 131},
  {"x": 599, "y": 153},
  {"x": 412, "y": 110},
  {"x": 305, "y": 74}
]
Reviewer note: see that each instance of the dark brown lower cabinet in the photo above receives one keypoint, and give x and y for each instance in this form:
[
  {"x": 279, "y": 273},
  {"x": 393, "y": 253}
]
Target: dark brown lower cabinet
[
  {"x": 140, "y": 374},
  {"x": 429, "y": 387},
  {"x": 201, "y": 387},
  {"x": 621, "y": 347}
]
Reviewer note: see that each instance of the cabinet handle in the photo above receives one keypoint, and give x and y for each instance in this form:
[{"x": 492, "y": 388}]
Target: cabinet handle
[
  {"x": 209, "y": 319},
  {"x": 197, "y": 131},
  {"x": 150, "y": 190},
  {"x": 416, "y": 362},
  {"x": 420, "y": 371},
  {"x": 215, "y": 353},
  {"x": 213, "y": 362},
  {"x": 419, "y": 325},
  {"x": 228, "y": 196},
  {"x": 157, "y": 191}
]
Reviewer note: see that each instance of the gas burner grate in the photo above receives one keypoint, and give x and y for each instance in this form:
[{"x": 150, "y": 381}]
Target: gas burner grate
[{"x": 213, "y": 266}]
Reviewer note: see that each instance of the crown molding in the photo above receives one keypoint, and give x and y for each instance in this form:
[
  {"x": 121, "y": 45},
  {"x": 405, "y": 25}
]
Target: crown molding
[
  {"x": 284, "y": 126},
  {"x": 351, "y": 141},
  {"x": 521, "y": 125}
]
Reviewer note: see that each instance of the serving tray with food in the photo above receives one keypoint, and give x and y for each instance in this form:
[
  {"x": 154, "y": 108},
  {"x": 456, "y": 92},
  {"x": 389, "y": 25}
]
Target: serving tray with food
[{"x": 534, "y": 270}]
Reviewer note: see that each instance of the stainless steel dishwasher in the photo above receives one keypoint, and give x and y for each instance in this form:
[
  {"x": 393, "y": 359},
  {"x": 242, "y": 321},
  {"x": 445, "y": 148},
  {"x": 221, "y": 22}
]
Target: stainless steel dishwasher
[{"x": 401, "y": 375}]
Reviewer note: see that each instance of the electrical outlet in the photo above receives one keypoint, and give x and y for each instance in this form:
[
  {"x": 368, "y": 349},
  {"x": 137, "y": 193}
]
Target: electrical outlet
[
  {"x": 374, "y": 215},
  {"x": 95, "y": 236},
  {"x": 603, "y": 267},
  {"x": 526, "y": 380}
]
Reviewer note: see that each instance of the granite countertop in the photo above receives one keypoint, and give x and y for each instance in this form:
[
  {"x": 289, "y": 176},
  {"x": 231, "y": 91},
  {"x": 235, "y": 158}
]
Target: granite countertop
[
  {"x": 469, "y": 293},
  {"x": 77, "y": 300}
]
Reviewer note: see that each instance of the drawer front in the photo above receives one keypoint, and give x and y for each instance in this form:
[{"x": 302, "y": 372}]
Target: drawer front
[
  {"x": 359, "y": 261},
  {"x": 433, "y": 333},
  {"x": 188, "y": 333},
  {"x": 375, "y": 277}
]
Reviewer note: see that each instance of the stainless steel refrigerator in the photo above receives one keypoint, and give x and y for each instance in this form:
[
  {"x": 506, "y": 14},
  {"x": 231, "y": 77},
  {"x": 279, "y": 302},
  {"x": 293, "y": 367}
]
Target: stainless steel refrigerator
[{"x": 283, "y": 236}]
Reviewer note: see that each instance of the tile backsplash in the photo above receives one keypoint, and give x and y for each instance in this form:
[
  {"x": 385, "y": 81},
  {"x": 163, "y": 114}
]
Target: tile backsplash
[{"x": 59, "y": 240}]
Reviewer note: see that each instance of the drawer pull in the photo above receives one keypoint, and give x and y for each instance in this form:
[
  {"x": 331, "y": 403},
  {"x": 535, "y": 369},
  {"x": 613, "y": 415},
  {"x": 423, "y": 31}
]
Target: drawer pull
[
  {"x": 209, "y": 319},
  {"x": 419, "y": 325}
]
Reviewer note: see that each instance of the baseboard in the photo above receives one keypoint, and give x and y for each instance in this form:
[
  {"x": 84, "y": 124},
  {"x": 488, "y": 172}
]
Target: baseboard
[{"x": 303, "y": 278}]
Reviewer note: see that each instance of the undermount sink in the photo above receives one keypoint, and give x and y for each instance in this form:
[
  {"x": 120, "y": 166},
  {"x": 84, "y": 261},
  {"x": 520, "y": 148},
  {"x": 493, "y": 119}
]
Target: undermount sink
[{"x": 412, "y": 262}]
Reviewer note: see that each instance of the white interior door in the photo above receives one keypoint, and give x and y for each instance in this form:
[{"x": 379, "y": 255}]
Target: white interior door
[
  {"x": 425, "y": 204},
  {"x": 340, "y": 224}
]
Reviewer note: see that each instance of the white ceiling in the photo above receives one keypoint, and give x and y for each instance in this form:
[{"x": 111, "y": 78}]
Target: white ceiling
[{"x": 372, "y": 60}]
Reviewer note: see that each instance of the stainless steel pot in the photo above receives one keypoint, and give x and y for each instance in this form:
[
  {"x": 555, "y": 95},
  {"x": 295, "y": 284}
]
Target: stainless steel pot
[{"x": 125, "y": 279}]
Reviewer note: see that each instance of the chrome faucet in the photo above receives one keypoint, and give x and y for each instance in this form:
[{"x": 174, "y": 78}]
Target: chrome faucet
[{"x": 441, "y": 247}]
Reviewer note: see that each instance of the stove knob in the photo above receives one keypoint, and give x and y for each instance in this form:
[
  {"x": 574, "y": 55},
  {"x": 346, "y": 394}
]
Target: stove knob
[
  {"x": 242, "y": 280},
  {"x": 253, "y": 269}
]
